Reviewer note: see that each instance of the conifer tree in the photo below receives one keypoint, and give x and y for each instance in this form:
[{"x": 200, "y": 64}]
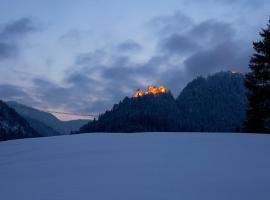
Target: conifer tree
[{"x": 258, "y": 83}]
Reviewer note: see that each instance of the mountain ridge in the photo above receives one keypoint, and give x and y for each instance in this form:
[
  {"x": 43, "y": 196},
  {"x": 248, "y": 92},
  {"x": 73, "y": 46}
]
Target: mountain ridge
[
  {"x": 216, "y": 103},
  {"x": 45, "y": 122},
  {"x": 14, "y": 126}
]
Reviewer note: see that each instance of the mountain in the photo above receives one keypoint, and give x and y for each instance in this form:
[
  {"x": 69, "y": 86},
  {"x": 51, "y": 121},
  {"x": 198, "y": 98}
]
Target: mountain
[
  {"x": 45, "y": 123},
  {"x": 73, "y": 125},
  {"x": 138, "y": 114},
  {"x": 14, "y": 126},
  {"x": 41, "y": 127},
  {"x": 214, "y": 104}
]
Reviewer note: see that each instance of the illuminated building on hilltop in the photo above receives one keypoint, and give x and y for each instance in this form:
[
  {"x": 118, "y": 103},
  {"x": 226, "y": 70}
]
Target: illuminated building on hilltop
[{"x": 151, "y": 90}]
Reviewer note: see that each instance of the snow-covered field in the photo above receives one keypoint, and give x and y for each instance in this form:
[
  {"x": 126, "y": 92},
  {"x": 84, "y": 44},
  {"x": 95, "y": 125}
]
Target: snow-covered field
[{"x": 136, "y": 167}]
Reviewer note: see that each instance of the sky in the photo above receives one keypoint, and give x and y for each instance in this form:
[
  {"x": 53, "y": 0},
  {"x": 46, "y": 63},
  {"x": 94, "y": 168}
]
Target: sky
[{"x": 84, "y": 56}]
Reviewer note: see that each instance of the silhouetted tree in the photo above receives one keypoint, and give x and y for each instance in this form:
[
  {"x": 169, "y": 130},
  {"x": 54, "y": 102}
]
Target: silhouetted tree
[{"x": 258, "y": 83}]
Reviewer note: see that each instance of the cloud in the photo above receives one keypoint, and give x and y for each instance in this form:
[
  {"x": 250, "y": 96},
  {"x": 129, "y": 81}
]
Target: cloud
[
  {"x": 178, "y": 44},
  {"x": 211, "y": 32},
  {"x": 91, "y": 58},
  {"x": 80, "y": 79},
  {"x": 50, "y": 93},
  {"x": 11, "y": 34},
  {"x": 117, "y": 78},
  {"x": 202, "y": 48},
  {"x": 78, "y": 94},
  {"x": 7, "y": 50},
  {"x": 17, "y": 29},
  {"x": 220, "y": 49},
  {"x": 129, "y": 46},
  {"x": 82, "y": 90},
  {"x": 219, "y": 58},
  {"x": 16, "y": 93},
  {"x": 166, "y": 24},
  {"x": 75, "y": 37},
  {"x": 99, "y": 78},
  {"x": 11, "y": 91}
]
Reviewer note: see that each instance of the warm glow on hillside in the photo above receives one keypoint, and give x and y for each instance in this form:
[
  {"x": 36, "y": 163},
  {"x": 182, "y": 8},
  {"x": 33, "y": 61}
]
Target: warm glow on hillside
[{"x": 151, "y": 90}]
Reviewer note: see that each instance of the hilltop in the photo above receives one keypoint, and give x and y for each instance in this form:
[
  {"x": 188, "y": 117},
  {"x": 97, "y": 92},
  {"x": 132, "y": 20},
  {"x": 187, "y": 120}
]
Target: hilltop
[{"x": 216, "y": 103}]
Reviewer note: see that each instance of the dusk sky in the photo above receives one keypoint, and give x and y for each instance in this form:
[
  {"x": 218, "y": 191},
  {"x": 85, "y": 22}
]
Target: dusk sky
[{"x": 83, "y": 56}]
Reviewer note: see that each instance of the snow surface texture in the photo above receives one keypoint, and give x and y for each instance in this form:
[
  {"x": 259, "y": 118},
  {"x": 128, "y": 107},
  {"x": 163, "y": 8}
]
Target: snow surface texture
[{"x": 136, "y": 167}]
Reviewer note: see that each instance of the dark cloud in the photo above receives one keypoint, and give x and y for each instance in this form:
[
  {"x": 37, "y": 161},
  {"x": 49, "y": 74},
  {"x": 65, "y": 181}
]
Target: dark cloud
[
  {"x": 17, "y": 29},
  {"x": 11, "y": 91},
  {"x": 220, "y": 49},
  {"x": 122, "y": 73},
  {"x": 203, "y": 48},
  {"x": 78, "y": 95},
  {"x": 80, "y": 79},
  {"x": 129, "y": 46},
  {"x": 209, "y": 61},
  {"x": 91, "y": 58},
  {"x": 85, "y": 92},
  {"x": 50, "y": 93},
  {"x": 198, "y": 37},
  {"x": 11, "y": 34},
  {"x": 118, "y": 78},
  {"x": 15, "y": 93},
  {"x": 178, "y": 44},
  {"x": 211, "y": 32},
  {"x": 7, "y": 50},
  {"x": 212, "y": 45}
]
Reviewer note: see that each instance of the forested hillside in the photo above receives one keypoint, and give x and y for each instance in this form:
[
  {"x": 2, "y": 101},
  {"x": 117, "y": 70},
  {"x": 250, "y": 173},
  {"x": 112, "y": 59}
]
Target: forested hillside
[
  {"x": 12, "y": 125},
  {"x": 136, "y": 114},
  {"x": 213, "y": 104}
]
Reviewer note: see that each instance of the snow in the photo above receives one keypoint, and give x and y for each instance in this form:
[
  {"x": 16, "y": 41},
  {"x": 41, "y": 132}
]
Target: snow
[{"x": 145, "y": 166}]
